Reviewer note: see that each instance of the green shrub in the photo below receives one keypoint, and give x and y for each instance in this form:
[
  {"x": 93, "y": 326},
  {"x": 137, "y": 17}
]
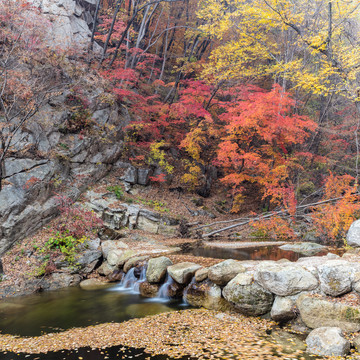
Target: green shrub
[
  {"x": 66, "y": 244},
  {"x": 117, "y": 190}
]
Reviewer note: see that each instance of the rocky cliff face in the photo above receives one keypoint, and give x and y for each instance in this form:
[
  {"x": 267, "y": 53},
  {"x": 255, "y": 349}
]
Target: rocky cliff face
[
  {"x": 48, "y": 160},
  {"x": 70, "y": 21}
]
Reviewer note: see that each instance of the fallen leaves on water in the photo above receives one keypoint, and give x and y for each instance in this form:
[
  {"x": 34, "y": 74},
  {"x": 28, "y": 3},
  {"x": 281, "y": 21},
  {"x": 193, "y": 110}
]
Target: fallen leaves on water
[{"x": 197, "y": 332}]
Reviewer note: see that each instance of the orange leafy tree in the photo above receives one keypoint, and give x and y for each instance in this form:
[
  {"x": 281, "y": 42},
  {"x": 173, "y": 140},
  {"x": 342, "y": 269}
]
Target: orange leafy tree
[
  {"x": 260, "y": 143},
  {"x": 332, "y": 220}
]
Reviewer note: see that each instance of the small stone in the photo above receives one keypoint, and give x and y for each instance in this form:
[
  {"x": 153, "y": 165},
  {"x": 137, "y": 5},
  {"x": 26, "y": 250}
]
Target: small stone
[{"x": 93, "y": 284}]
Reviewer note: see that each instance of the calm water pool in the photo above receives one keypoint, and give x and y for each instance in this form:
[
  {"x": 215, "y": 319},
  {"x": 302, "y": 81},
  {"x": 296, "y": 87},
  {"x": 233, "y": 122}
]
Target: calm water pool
[
  {"x": 252, "y": 253},
  {"x": 60, "y": 310}
]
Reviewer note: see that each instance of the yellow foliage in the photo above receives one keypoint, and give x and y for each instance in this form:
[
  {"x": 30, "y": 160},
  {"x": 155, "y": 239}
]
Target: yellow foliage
[
  {"x": 159, "y": 156},
  {"x": 191, "y": 177},
  {"x": 285, "y": 39}
]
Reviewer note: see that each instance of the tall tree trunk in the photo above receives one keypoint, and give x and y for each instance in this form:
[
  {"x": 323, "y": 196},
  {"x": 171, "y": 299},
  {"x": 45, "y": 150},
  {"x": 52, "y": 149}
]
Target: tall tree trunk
[{"x": 94, "y": 24}]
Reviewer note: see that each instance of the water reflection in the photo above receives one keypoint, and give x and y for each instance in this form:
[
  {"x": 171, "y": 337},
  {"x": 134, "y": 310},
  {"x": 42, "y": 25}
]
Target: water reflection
[
  {"x": 60, "y": 310},
  {"x": 253, "y": 253}
]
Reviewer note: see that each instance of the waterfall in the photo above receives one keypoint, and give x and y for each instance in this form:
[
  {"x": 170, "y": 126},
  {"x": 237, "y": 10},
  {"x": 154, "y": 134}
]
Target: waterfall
[
  {"x": 163, "y": 293},
  {"x": 185, "y": 303},
  {"x": 142, "y": 278},
  {"x": 130, "y": 283}
]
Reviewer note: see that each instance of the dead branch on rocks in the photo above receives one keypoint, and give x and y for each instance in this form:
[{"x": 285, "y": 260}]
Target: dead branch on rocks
[{"x": 245, "y": 221}]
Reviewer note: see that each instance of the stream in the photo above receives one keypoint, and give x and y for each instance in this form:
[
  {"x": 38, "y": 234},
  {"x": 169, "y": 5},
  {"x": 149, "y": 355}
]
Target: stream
[{"x": 57, "y": 311}]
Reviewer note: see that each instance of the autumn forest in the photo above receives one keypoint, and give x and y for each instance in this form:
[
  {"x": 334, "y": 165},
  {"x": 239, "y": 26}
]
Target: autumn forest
[{"x": 260, "y": 97}]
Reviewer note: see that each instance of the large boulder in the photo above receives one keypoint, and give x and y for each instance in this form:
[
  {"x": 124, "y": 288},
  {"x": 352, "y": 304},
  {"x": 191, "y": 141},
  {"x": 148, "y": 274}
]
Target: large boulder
[
  {"x": 183, "y": 272},
  {"x": 88, "y": 260},
  {"x": 316, "y": 312},
  {"x": 135, "y": 261},
  {"x": 284, "y": 279},
  {"x": 207, "y": 295},
  {"x": 113, "y": 256},
  {"x": 131, "y": 175},
  {"x": 124, "y": 257},
  {"x": 335, "y": 277},
  {"x": 222, "y": 273},
  {"x": 247, "y": 296},
  {"x": 106, "y": 269},
  {"x": 148, "y": 290},
  {"x": 353, "y": 235},
  {"x": 283, "y": 309},
  {"x": 327, "y": 341},
  {"x": 156, "y": 269},
  {"x": 62, "y": 280}
]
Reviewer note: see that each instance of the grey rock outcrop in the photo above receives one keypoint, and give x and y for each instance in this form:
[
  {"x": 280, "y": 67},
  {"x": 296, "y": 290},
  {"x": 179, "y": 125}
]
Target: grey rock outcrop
[
  {"x": 157, "y": 268},
  {"x": 131, "y": 175},
  {"x": 247, "y": 296},
  {"x": 327, "y": 341},
  {"x": 225, "y": 271},
  {"x": 88, "y": 260},
  {"x": 285, "y": 280},
  {"x": 132, "y": 216},
  {"x": 69, "y": 21}
]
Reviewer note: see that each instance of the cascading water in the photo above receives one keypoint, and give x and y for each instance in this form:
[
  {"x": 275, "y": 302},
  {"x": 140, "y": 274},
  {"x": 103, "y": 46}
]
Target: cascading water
[
  {"x": 142, "y": 278},
  {"x": 130, "y": 283},
  {"x": 185, "y": 303},
  {"x": 163, "y": 293},
  {"x": 164, "y": 288}
]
